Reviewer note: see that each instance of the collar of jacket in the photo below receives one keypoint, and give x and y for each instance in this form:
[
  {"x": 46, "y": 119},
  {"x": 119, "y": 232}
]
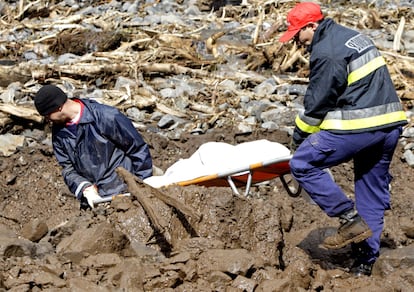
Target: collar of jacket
[
  {"x": 320, "y": 31},
  {"x": 87, "y": 115}
]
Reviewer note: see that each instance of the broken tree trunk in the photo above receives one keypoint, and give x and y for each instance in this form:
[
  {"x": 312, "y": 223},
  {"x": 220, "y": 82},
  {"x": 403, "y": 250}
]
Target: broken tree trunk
[
  {"x": 21, "y": 112},
  {"x": 129, "y": 178},
  {"x": 132, "y": 181}
]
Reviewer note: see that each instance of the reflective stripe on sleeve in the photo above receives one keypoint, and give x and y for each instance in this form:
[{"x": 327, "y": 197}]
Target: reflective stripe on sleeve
[{"x": 304, "y": 127}]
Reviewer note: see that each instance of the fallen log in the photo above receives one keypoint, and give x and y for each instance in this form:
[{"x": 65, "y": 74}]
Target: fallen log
[
  {"x": 10, "y": 72},
  {"x": 157, "y": 222},
  {"x": 21, "y": 112},
  {"x": 171, "y": 201},
  {"x": 136, "y": 187},
  {"x": 132, "y": 181}
]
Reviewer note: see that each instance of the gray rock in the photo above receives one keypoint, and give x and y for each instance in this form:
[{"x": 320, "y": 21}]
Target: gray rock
[
  {"x": 265, "y": 88},
  {"x": 270, "y": 126},
  {"x": 243, "y": 128},
  {"x": 67, "y": 58},
  {"x": 168, "y": 93},
  {"x": 409, "y": 157},
  {"x": 166, "y": 121},
  {"x": 272, "y": 115},
  {"x": 408, "y": 132},
  {"x": 135, "y": 114}
]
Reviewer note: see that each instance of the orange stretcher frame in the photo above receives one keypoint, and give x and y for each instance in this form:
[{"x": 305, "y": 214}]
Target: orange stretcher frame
[{"x": 248, "y": 176}]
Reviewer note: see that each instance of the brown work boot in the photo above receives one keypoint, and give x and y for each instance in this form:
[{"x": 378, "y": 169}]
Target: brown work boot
[{"x": 353, "y": 229}]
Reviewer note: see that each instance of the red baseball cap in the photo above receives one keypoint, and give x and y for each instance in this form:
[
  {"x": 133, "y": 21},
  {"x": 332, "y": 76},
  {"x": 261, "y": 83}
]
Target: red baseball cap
[{"x": 300, "y": 15}]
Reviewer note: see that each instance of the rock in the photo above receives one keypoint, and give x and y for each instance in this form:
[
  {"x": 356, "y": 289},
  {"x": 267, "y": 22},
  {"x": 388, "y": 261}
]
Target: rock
[
  {"x": 218, "y": 280},
  {"x": 80, "y": 285},
  {"x": 265, "y": 88},
  {"x": 101, "y": 238},
  {"x": 16, "y": 247},
  {"x": 100, "y": 261},
  {"x": 127, "y": 275},
  {"x": 274, "y": 285},
  {"x": 407, "y": 226},
  {"x": 9, "y": 143},
  {"x": 395, "y": 259},
  {"x": 409, "y": 157},
  {"x": 231, "y": 261},
  {"x": 244, "y": 284},
  {"x": 35, "y": 230}
]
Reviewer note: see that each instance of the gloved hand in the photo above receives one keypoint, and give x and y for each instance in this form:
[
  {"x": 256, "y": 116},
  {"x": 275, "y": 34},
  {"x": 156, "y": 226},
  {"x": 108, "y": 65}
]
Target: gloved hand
[{"x": 91, "y": 195}]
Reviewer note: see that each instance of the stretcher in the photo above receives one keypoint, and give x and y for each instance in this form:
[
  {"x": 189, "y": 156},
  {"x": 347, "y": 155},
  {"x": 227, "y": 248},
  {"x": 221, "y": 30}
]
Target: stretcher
[{"x": 236, "y": 166}]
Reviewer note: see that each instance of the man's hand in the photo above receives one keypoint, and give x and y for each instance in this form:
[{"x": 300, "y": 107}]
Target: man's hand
[{"x": 91, "y": 195}]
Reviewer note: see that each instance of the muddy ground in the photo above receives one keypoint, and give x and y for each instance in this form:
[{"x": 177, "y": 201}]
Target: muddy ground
[{"x": 266, "y": 242}]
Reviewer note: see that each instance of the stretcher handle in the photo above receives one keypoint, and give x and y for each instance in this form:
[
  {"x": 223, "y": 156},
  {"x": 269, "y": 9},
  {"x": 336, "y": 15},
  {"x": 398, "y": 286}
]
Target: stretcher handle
[
  {"x": 110, "y": 198},
  {"x": 291, "y": 193}
]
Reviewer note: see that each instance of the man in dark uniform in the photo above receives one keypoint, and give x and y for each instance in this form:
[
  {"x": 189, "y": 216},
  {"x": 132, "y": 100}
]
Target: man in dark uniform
[{"x": 351, "y": 111}]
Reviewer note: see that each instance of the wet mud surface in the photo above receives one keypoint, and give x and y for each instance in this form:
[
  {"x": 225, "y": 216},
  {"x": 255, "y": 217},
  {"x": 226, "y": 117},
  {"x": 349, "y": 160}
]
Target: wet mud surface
[{"x": 265, "y": 242}]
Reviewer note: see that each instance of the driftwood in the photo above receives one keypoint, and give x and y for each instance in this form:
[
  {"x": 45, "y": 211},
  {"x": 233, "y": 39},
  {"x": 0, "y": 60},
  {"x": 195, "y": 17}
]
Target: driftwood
[
  {"x": 136, "y": 191},
  {"x": 170, "y": 201},
  {"x": 11, "y": 72},
  {"x": 140, "y": 52},
  {"x": 398, "y": 34},
  {"x": 21, "y": 112},
  {"x": 136, "y": 187},
  {"x": 132, "y": 181},
  {"x": 4, "y": 119}
]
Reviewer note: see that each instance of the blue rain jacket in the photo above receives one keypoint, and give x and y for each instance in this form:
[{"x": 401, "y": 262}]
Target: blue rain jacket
[{"x": 103, "y": 140}]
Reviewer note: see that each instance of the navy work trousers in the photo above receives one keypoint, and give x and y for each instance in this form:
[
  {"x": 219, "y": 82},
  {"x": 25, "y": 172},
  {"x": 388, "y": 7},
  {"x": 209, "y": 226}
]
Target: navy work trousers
[{"x": 371, "y": 153}]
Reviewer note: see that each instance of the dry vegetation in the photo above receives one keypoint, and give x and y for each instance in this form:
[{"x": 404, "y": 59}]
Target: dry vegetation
[{"x": 118, "y": 46}]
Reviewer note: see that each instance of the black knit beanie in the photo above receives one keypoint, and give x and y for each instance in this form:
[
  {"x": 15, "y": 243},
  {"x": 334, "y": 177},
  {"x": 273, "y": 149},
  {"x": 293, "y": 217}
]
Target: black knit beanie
[{"x": 48, "y": 99}]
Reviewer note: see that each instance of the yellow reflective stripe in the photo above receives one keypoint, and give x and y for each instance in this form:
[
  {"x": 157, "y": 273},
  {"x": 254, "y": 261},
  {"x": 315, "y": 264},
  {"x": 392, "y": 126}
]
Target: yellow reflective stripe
[
  {"x": 363, "y": 123},
  {"x": 305, "y": 127},
  {"x": 363, "y": 71}
]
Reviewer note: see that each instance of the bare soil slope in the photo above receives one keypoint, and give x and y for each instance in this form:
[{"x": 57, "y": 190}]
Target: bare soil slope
[{"x": 266, "y": 242}]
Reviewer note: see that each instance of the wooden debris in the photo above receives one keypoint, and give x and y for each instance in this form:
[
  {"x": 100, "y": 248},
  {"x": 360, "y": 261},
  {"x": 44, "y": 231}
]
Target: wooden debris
[
  {"x": 158, "y": 223},
  {"x": 142, "y": 52},
  {"x": 11, "y": 72},
  {"x": 167, "y": 110},
  {"x": 21, "y": 112},
  {"x": 398, "y": 34},
  {"x": 138, "y": 189}
]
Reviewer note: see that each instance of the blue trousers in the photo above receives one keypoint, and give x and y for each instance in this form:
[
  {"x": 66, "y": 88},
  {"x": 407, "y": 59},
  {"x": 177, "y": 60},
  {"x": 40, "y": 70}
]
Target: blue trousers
[{"x": 371, "y": 153}]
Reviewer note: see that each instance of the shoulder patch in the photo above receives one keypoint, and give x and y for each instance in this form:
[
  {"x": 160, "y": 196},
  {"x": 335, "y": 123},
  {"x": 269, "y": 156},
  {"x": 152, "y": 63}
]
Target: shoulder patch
[{"x": 359, "y": 43}]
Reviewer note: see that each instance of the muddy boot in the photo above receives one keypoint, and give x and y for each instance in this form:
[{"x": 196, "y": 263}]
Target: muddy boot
[
  {"x": 361, "y": 269},
  {"x": 353, "y": 229},
  {"x": 364, "y": 259}
]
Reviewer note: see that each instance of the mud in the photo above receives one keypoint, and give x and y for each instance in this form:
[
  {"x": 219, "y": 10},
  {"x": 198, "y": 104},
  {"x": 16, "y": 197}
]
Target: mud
[{"x": 265, "y": 242}]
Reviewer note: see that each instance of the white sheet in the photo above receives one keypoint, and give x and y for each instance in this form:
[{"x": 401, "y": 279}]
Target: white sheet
[{"x": 218, "y": 157}]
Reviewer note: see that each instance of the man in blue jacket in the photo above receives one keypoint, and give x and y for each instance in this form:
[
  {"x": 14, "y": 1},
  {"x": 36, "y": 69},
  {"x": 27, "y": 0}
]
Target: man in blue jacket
[
  {"x": 351, "y": 112},
  {"x": 90, "y": 140}
]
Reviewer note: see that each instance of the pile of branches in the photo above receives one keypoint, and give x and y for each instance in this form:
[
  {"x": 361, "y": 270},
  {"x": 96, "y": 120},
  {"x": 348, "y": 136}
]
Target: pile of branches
[{"x": 118, "y": 46}]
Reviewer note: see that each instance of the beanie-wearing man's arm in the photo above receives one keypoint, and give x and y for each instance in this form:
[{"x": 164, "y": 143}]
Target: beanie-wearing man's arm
[
  {"x": 75, "y": 181},
  {"x": 122, "y": 132}
]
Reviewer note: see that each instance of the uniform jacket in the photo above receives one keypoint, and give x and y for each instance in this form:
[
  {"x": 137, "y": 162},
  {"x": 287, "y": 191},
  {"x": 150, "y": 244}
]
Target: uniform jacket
[
  {"x": 350, "y": 89},
  {"x": 104, "y": 140}
]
